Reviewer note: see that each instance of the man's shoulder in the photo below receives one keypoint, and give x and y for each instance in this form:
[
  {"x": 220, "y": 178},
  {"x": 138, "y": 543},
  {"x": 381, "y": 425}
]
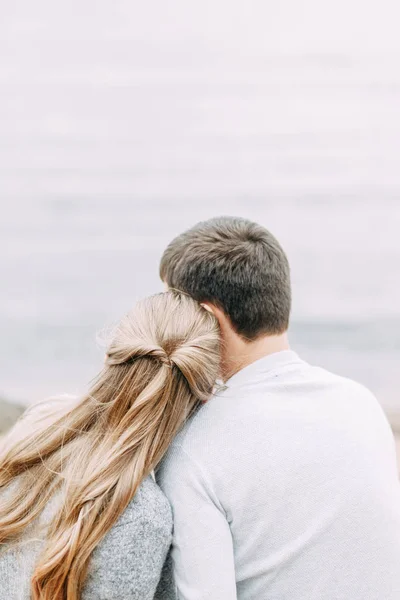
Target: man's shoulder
[
  {"x": 229, "y": 416},
  {"x": 187, "y": 450},
  {"x": 195, "y": 429},
  {"x": 342, "y": 383}
]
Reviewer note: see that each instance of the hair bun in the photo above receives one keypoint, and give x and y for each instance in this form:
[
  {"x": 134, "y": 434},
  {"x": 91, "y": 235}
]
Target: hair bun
[
  {"x": 173, "y": 329},
  {"x": 121, "y": 353}
]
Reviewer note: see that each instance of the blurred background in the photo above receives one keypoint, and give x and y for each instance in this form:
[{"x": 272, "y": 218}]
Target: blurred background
[{"x": 123, "y": 123}]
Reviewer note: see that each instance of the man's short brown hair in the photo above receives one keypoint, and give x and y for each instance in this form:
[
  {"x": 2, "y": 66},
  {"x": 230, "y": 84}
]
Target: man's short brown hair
[{"x": 236, "y": 265}]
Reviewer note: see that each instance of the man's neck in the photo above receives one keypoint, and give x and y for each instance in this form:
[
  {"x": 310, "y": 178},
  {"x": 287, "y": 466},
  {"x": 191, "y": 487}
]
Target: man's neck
[{"x": 238, "y": 354}]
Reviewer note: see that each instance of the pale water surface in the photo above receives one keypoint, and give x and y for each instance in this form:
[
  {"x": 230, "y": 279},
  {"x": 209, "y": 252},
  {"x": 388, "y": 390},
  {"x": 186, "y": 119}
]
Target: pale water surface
[{"x": 123, "y": 123}]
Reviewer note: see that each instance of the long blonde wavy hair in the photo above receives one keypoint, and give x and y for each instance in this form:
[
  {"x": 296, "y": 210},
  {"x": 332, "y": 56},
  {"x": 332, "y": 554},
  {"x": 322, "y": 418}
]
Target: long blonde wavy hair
[{"x": 162, "y": 361}]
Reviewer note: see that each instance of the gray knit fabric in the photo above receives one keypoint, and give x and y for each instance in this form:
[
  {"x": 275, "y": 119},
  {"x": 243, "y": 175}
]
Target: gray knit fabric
[{"x": 126, "y": 565}]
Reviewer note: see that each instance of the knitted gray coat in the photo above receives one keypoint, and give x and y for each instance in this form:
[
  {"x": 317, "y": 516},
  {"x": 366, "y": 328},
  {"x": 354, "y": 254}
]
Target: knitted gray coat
[{"x": 126, "y": 565}]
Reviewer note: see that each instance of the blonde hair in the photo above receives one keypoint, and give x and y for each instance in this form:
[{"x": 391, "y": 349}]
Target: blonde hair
[{"x": 162, "y": 362}]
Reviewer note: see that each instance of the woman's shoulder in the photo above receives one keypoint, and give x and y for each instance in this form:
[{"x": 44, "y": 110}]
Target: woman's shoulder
[
  {"x": 148, "y": 515},
  {"x": 149, "y": 504},
  {"x": 129, "y": 559}
]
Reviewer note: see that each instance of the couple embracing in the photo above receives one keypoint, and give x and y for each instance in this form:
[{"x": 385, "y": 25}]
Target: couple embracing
[{"x": 207, "y": 461}]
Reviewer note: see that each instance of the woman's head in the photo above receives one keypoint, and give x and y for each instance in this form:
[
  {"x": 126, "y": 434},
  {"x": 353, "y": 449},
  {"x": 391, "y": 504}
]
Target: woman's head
[
  {"x": 168, "y": 333},
  {"x": 162, "y": 361}
]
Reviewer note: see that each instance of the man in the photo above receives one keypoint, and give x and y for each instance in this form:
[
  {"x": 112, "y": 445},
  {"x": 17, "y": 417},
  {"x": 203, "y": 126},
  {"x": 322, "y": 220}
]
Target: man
[{"x": 284, "y": 485}]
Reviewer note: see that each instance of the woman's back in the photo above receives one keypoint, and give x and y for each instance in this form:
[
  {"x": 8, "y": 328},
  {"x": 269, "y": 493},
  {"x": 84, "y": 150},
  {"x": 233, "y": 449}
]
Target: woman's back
[
  {"x": 80, "y": 518},
  {"x": 125, "y": 564}
]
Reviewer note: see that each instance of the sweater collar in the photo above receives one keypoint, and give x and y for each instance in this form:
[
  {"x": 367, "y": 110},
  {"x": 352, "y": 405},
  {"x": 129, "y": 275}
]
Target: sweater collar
[{"x": 267, "y": 365}]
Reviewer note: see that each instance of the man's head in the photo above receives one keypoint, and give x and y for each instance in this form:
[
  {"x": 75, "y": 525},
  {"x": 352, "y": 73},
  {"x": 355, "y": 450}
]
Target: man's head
[
  {"x": 239, "y": 270},
  {"x": 239, "y": 267}
]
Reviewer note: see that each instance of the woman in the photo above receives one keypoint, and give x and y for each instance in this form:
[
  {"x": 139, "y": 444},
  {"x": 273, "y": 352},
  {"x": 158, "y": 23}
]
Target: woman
[{"x": 80, "y": 515}]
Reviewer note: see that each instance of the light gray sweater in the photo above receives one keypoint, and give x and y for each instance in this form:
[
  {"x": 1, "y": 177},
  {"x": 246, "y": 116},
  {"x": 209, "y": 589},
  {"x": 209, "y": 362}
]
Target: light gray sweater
[
  {"x": 284, "y": 486},
  {"x": 126, "y": 565}
]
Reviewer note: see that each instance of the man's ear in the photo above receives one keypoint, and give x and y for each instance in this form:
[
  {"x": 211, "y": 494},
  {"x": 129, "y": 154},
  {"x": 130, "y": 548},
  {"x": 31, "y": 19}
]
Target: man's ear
[
  {"x": 207, "y": 306},
  {"x": 219, "y": 314}
]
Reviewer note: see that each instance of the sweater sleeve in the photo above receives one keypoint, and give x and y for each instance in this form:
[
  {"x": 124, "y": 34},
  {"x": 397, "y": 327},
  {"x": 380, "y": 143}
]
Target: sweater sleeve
[
  {"x": 166, "y": 589},
  {"x": 128, "y": 565},
  {"x": 202, "y": 549}
]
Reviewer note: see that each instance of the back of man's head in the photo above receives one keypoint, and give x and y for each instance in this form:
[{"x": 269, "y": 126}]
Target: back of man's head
[{"x": 239, "y": 267}]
